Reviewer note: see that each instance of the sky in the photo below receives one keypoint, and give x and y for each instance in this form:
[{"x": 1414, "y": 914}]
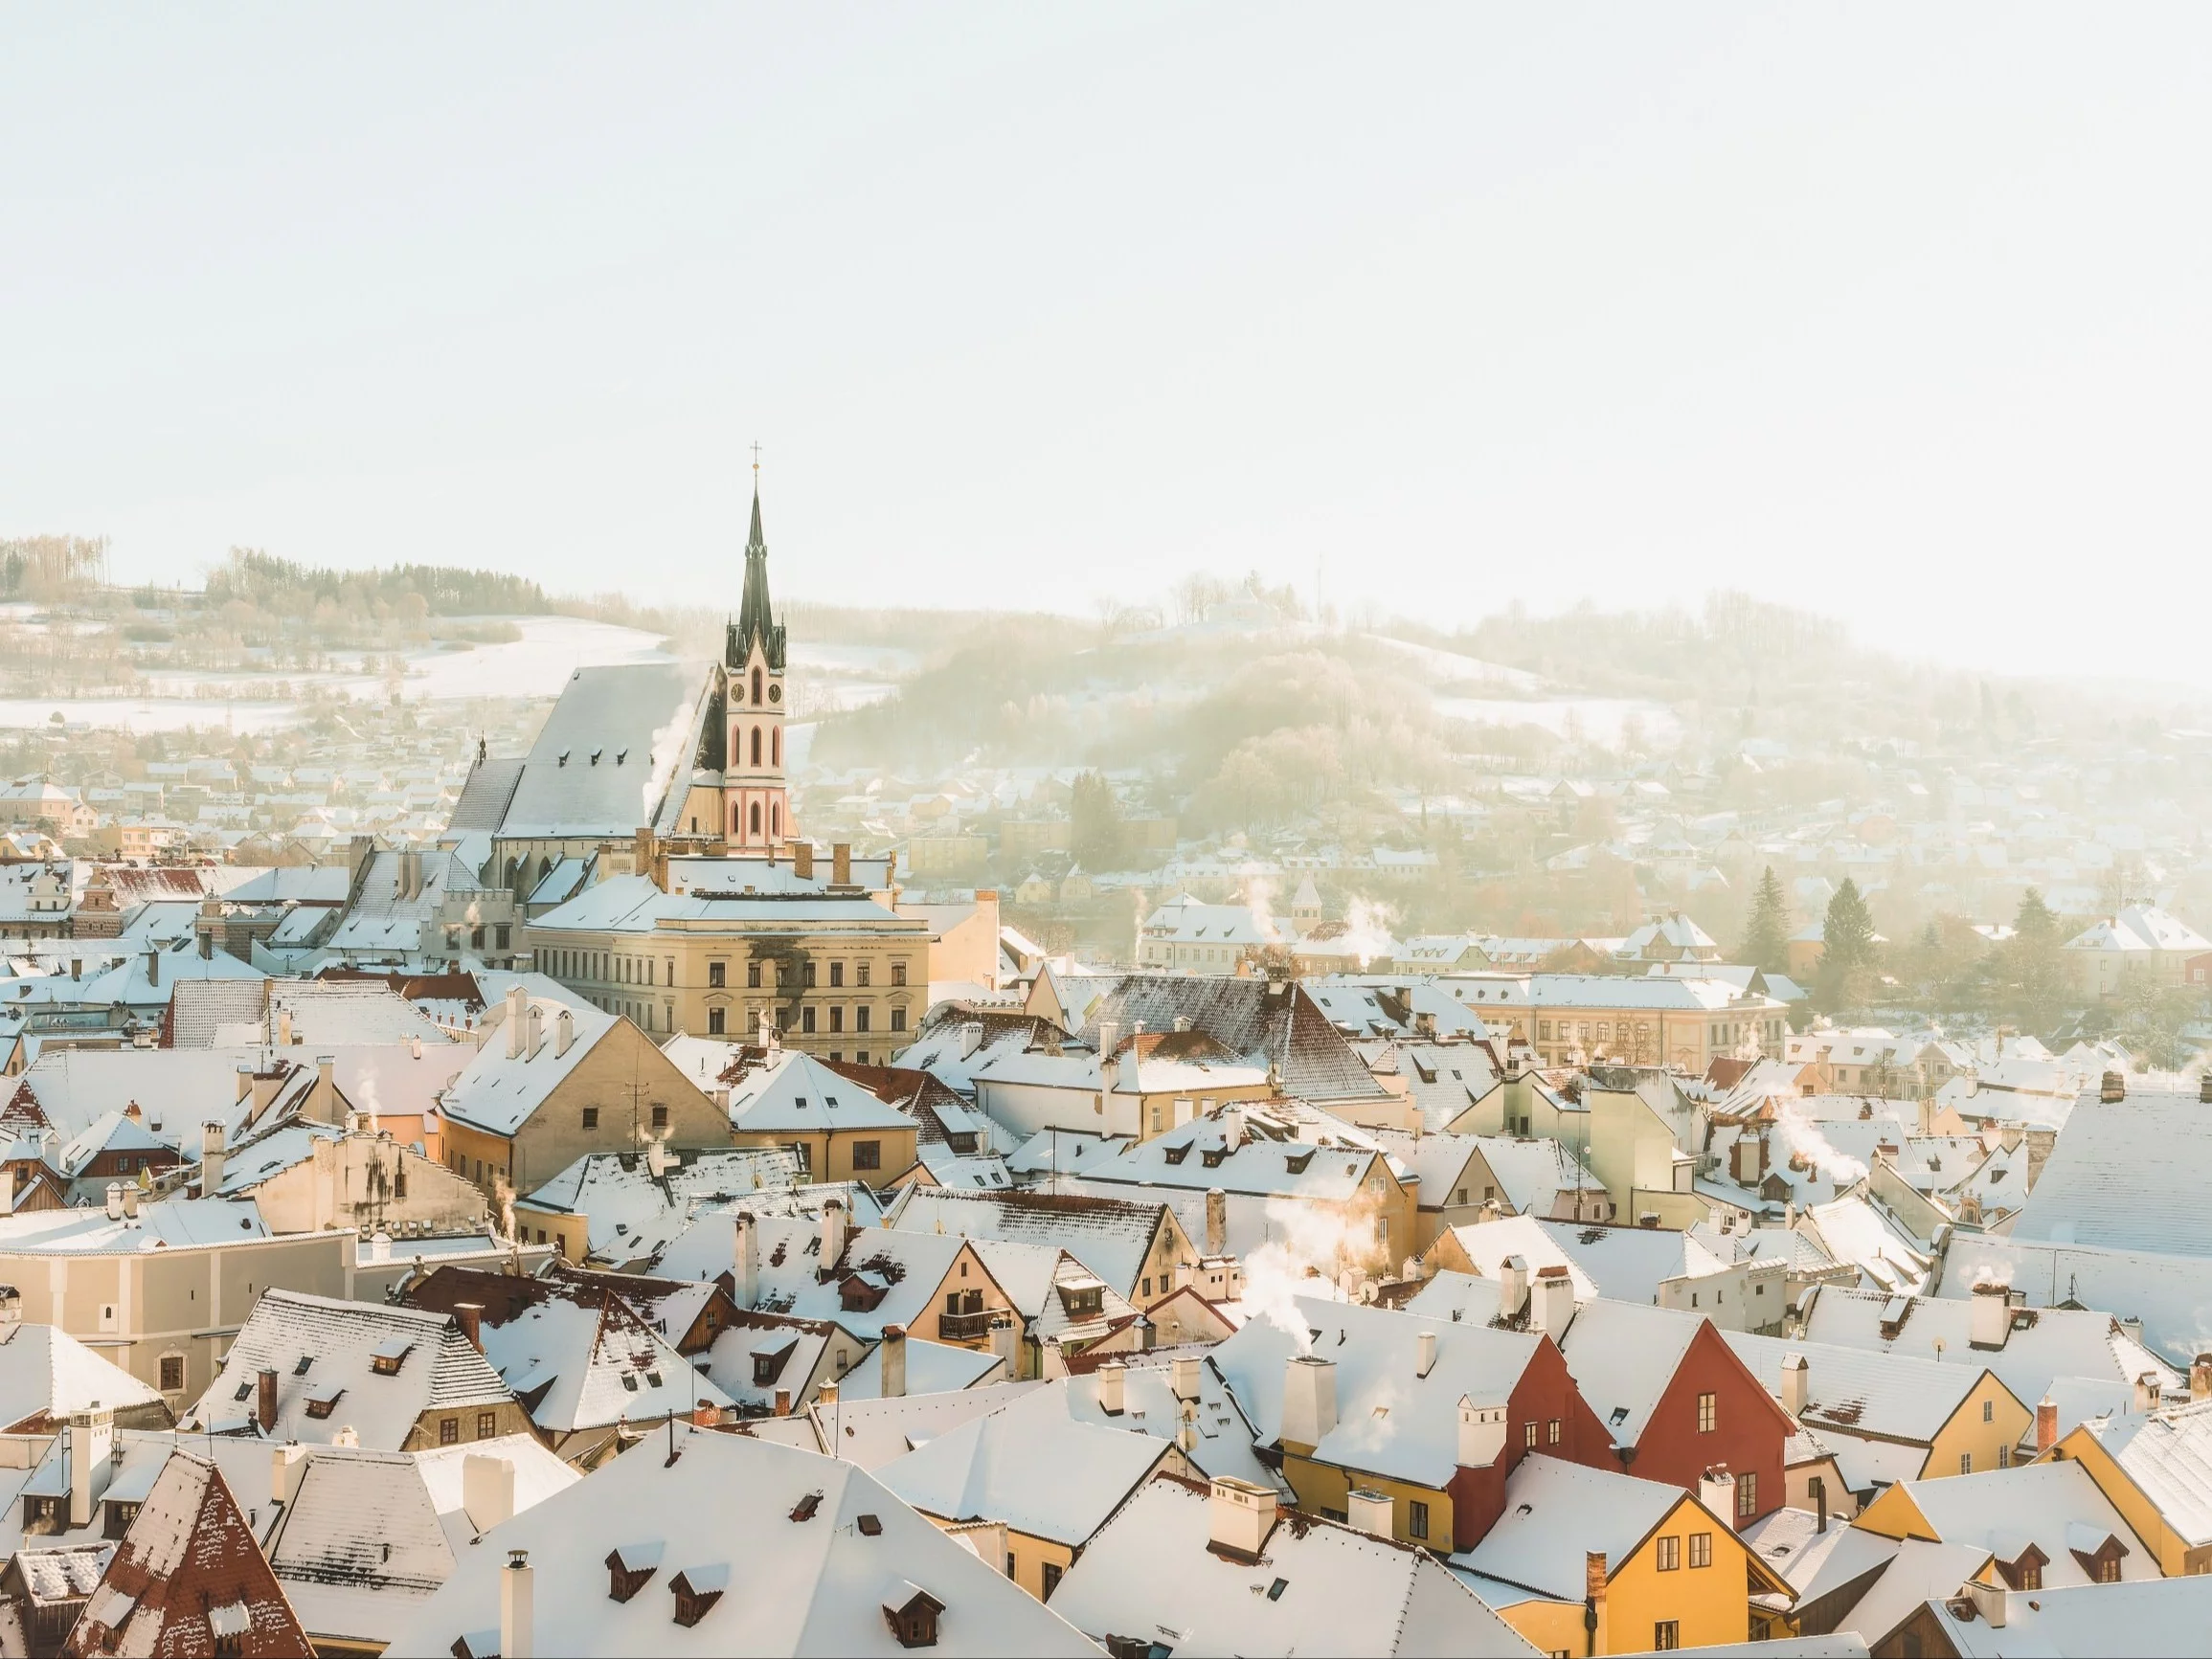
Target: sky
[{"x": 1894, "y": 312}]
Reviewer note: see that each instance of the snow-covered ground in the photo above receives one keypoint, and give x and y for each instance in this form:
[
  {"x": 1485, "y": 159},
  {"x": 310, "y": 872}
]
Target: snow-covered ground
[{"x": 1600, "y": 718}]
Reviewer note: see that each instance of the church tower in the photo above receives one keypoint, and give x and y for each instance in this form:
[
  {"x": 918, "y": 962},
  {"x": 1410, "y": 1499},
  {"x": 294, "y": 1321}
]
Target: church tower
[{"x": 755, "y": 806}]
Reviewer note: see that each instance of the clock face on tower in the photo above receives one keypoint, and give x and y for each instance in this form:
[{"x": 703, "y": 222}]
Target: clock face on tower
[{"x": 775, "y": 694}]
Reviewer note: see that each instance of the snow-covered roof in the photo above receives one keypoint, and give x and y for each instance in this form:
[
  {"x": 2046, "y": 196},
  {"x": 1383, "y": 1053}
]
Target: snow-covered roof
[
  {"x": 1110, "y": 1236},
  {"x": 780, "y": 1531},
  {"x": 2169, "y": 1616},
  {"x": 634, "y": 1213},
  {"x": 2168, "y": 1456},
  {"x": 2129, "y": 1174},
  {"x": 1850, "y": 1392},
  {"x": 1559, "y": 1511},
  {"x": 2054, "y": 1507},
  {"x": 46, "y": 1374},
  {"x": 2172, "y": 1295},
  {"x": 498, "y": 1091},
  {"x": 931, "y": 1368},
  {"x": 794, "y": 1093}
]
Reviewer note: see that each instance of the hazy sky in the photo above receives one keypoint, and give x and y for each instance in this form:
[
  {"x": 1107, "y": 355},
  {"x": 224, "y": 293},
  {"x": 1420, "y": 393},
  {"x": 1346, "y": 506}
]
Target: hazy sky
[{"x": 1900, "y": 312}]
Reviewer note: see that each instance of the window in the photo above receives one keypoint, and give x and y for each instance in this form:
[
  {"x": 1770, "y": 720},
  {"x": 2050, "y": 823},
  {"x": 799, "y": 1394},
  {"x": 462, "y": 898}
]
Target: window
[
  {"x": 717, "y": 975},
  {"x": 1966, "y": 1462},
  {"x": 898, "y": 972},
  {"x": 860, "y": 1018},
  {"x": 756, "y": 817},
  {"x": 713, "y": 1021},
  {"x": 591, "y": 1117},
  {"x": 810, "y": 975},
  {"x": 1551, "y": 1432},
  {"x": 1747, "y": 1494},
  {"x": 1708, "y": 1413},
  {"x": 173, "y": 1373},
  {"x": 2004, "y": 1457},
  {"x": 1670, "y": 1555},
  {"x": 898, "y": 1019},
  {"x": 860, "y": 975},
  {"x": 660, "y": 1118},
  {"x": 867, "y": 1154},
  {"x": 487, "y": 1425},
  {"x": 1666, "y": 1636},
  {"x": 753, "y": 976},
  {"x": 1701, "y": 1549},
  {"x": 836, "y": 1020},
  {"x": 806, "y": 1020},
  {"x": 837, "y": 975},
  {"x": 2108, "y": 1570},
  {"x": 1051, "y": 1580},
  {"x": 1416, "y": 1520},
  {"x": 1989, "y": 1411},
  {"x": 1528, "y": 1435},
  {"x": 449, "y": 1431},
  {"x": 504, "y": 936},
  {"x": 2030, "y": 1573}
]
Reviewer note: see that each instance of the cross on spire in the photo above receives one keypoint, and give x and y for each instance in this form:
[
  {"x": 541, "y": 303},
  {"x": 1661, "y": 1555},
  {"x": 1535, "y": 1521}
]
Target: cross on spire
[{"x": 757, "y": 462}]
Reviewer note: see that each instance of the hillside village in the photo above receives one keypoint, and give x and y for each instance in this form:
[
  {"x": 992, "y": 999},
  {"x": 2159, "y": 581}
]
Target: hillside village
[{"x": 1441, "y": 1159}]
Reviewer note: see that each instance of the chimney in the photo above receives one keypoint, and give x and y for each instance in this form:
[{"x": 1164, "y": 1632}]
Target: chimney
[
  {"x": 1109, "y": 1037},
  {"x": 894, "y": 1362},
  {"x": 841, "y": 863},
  {"x": 1989, "y": 1601},
  {"x": 564, "y": 1032},
  {"x": 1003, "y": 1339},
  {"x": 832, "y": 1232},
  {"x": 2205, "y": 1087},
  {"x": 1309, "y": 1400},
  {"x": 535, "y": 1035},
  {"x": 1052, "y": 1359},
  {"x": 1113, "y": 1381},
  {"x": 1184, "y": 1376},
  {"x": 1216, "y": 1222},
  {"x": 284, "y": 1028},
  {"x": 1820, "y": 1506},
  {"x": 803, "y": 860},
  {"x": 130, "y": 1201},
  {"x": 516, "y": 1001},
  {"x": 488, "y": 1490},
  {"x": 783, "y": 1403},
  {"x": 2114, "y": 1087},
  {"x": 469, "y": 1316},
  {"x": 1593, "y": 1619},
  {"x": 2046, "y": 1425},
  {"x": 7, "y": 1189},
  {"x": 115, "y": 1200},
  {"x": 1371, "y": 1512},
  {"x": 91, "y": 1438},
  {"x": 1716, "y": 1492},
  {"x": 747, "y": 1267},
  {"x": 514, "y": 1608},
  {"x": 266, "y": 1398},
  {"x": 971, "y": 1037},
  {"x": 246, "y": 1084},
  {"x": 1482, "y": 1433},
  {"x": 2200, "y": 1377},
  {"x": 1512, "y": 1285},
  {"x": 2146, "y": 1394},
  {"x": 1551, "y": 1307},
  {"x": 326, "y": 1088},
  {"x": 1425, "y": 1354},
  {"x": 1240, "y": 1516},
  {"x": 1796, "y": 1385},
  {"x": 1992, "y": 1320},
  {"x": 154, "y": 966},
  {"x": 211, "y": 1157},
  {"x": 288, "y": 1464}
]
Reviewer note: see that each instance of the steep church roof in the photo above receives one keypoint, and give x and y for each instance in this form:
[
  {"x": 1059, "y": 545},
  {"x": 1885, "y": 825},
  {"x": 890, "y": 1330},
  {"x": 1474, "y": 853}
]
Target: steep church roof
[{"x": 754, "y": 620}]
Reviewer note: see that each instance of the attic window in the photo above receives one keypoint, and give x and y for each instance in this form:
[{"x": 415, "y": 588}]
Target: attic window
[
  {"x": 301, "y": 1369},
  {"x": 1275, "y": 1590},
  {"x": 324, "y": 1404},
  {"x": 387, "y": 1360},
  {"x": 1175, "y": 1154},
  {"x": 804, "y": 1509},
  {"x": 245, "y": 1391},
  {"x": 630, "y": 1380},
  {"x": 697, "y": 1590},
  {"x": 913, "y": 1620},
  {"x": 870, "y": 1526},
  {"x": 630, "y": 1568},
  {"x": 1297, "y": 1161}
]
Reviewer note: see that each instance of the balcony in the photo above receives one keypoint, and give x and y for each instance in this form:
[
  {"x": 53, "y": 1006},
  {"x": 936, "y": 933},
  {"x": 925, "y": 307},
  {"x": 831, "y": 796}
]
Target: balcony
[{"x": 973, "y": 1327}]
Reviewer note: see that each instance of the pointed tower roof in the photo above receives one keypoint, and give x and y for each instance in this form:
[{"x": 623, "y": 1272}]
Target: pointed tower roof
[{"x": 756, "y": 620}]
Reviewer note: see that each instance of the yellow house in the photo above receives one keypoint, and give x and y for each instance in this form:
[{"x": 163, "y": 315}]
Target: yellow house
[
  {"x": 2155, "y": 1468},
  {"x": 2047, "y": 1527},
  {"x": 1588, "y": 1562},
  {"x": 838, "y": 1129}
]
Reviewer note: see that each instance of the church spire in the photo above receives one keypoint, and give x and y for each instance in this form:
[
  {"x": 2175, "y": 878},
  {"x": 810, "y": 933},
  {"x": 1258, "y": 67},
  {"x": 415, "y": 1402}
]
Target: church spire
[{"x": 756, "y": 620}]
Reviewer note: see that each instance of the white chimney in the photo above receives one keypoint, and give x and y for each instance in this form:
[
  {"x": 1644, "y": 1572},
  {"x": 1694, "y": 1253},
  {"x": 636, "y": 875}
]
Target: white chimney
[
  {"x": 516, "y": 1003},
  {"x": 1182, "y": 1374},
  {"x": 115, "y": 1200},
  {"x": 536, "y": 1038},
  {"x": 2146, "y": 1394},
  {"x": 1216, "y": 1222},
  {"x": 1796, "y": 1385},
  {"x": 1992, "y": 1320},
  {"x": 1989, "y": 1601},
  {"x": 91, "y": 1438},
  {"x": 1052, "y": 1360},
  {"x": 488, "y": 1490},
  {"x": 1112, "y": 1379},
  {"x": 1240, "y": 1515},
  {"x": 288, "y": 1464},
  {"x": 515, "y": 1636},
  {"x": 1309, "y": 1399},
  {"x": 1552, "y": 1302},
  {"x": 832, "y": 1232},
  {"x": 1371, "y": 1512},
  {"x": 747, "y": 1267},
  {"x": 1004, "y": 1339},
  {"x": 564, "y": 1031},
  {"x": 1425, "y": 1354},
  {"x": 1482, "y": 1432},
  {"x": 894, "y": 1362},
  {"x": 130, "y": 1201},
  {"x": 8, "y": 1190},
  {"x": 971, "y": 1037},
  {"x": 1512, "y": 1285},
  {"x": 1109, "y": 1037},
  {"x": 1716, "y": 1492}
]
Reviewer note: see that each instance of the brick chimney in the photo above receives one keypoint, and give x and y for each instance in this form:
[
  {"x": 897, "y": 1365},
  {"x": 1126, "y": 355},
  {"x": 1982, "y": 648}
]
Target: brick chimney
[
  {"x": 265, "y": 1399},
  {"x": 2046, "y": 1425},
  {"x": 803, "y": 860},
  {"x": 469, "y": 1316},
  {"x": 841, "y": 863}
]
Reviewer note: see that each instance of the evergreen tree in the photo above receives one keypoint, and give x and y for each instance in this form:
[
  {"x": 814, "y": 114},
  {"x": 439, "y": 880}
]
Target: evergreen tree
[
  {"x": 1766, "y": 942},
  {"x": 1096, "y": 828},
  {"x": 1847, "y": 951},
  {"x": 2034, "y": 970}
]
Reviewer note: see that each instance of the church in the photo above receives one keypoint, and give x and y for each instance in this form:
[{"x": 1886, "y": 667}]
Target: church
[{"x": 691, "y": 751}]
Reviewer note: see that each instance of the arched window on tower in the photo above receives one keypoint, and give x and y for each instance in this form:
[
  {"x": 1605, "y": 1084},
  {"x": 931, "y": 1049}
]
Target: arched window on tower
[
  {"x": 756, "y": 817},
  {"x": 756, "y": 746},
  {"x": 736, "y": 818},
  {"x": 776, "y": 746},
  {"x": 776, "y": 819},
  {"x": 756, "y": 687}
]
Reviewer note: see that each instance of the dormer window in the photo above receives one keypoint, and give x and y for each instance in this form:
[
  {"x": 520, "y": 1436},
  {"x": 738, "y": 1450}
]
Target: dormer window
[
  {"x": 321, "y": 1404},
  {"x": 697, "y": 1590},
  {"x": 387, "y": 1360},
  {"x": 1175, "y": 1154},
  {"x": 913, "y": 1616},
  {"x": 630, "y": 1568}
]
